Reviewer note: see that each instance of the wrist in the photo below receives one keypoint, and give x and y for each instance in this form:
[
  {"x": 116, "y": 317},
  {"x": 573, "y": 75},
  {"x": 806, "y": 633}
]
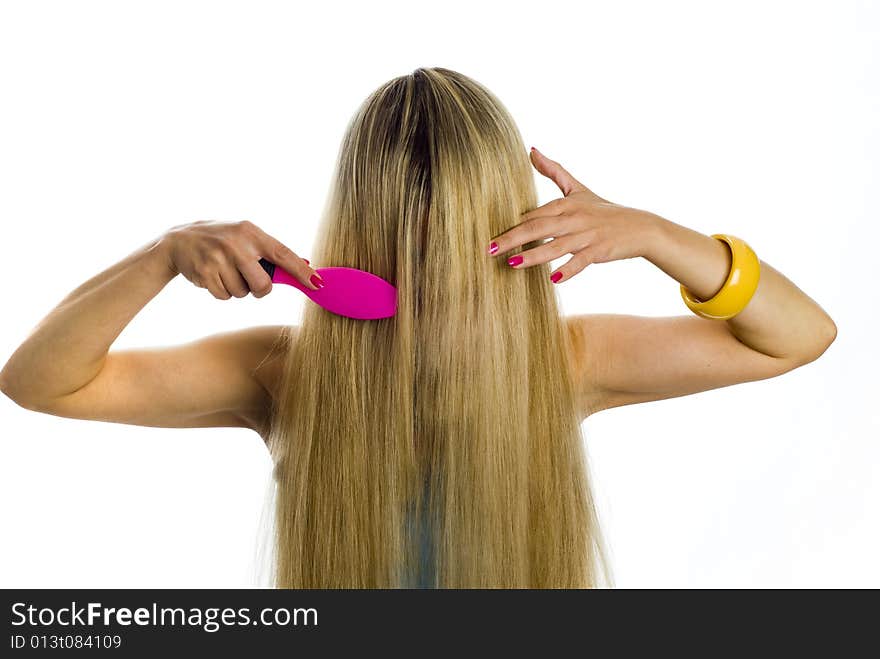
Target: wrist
[
  {"x": 653, "y": 233},
  {"x": 160, "y": 252}
]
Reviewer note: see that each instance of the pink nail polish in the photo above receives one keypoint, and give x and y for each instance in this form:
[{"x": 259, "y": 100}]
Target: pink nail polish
[
  {"x": 555, "y": 277},
  {"x": 515, "y": 260},
  {"x": 316, "y": 281},
  {"x": 493, "y": 247},
  {"x": 306, "y": 260}
]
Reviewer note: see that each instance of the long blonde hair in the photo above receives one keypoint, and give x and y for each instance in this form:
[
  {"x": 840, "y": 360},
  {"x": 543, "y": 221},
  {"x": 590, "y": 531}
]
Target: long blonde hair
[{"x": 455, "y": 418}]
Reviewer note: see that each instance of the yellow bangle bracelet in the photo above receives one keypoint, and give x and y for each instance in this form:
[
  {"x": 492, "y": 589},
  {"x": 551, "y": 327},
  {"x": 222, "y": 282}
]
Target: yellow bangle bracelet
[{"x": 741, "y": 284}]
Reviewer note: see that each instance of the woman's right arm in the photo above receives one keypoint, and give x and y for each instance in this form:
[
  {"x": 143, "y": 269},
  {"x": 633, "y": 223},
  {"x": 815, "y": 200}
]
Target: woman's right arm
[{"x": 65, "y": 366}]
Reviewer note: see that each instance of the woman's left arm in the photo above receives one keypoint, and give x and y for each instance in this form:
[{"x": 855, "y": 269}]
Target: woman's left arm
[
  {"x": 624, "y": 359},
  {"x": 780, "y": 320}
]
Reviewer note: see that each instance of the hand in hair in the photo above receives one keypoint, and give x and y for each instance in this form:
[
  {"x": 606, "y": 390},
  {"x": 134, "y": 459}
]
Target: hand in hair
[
  {"x": 581, "y": 223},
  {"x": 224, "y": 257}
]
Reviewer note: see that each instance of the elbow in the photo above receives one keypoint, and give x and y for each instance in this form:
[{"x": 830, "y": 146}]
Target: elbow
[
  {"x": 829, "y": 334},
  {"x": 9, "y": 389},
  {"x": 6, "y": 384},
  {"x": 832, "y": 331},
  {"x": 27, "y": 403},
  {"x": 824, "y": 339}
]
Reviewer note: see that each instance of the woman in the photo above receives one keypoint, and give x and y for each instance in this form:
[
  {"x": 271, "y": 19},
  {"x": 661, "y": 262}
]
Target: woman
[{"x": 440, "y": 447}]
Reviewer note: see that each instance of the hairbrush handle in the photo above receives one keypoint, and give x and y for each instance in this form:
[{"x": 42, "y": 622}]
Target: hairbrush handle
[
  {"x": 268, "y": 266},
  {"x": 279, "y": 275}
]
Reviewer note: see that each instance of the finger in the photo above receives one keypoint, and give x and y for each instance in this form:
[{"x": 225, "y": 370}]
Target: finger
[
  {"x": 281, "y": 255},
  {"x": 555, "y": 207},
  {"x": 233, "y": 281},
  {"x": 258, "y": 280},
  {"x": 570, "y": 268},
  {"x": 215, "y": 285},
  {"x": 546, "y": 252},
  {"x": 525, "y": 232},
  {"x": 556, "y": 173}
]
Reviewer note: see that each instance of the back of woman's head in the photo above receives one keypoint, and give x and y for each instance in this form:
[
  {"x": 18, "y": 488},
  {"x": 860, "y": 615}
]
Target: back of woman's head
[{"x": 441, "y": 446}]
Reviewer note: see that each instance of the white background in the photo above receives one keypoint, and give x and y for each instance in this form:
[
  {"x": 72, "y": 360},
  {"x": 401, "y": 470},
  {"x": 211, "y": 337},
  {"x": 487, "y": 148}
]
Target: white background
[{"x": 119, "y": 120}]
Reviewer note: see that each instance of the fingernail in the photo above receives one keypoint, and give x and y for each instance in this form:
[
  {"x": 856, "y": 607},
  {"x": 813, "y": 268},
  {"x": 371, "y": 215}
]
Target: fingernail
[
  {"x": 317, "y": 281},
  {"x": 555, "y": 277},
  {"x": 306, "y": 260},
  {"x": 533, "y": 149},
  {"x": 493, "y": 247},
  {"x": 515, "y": 260}
]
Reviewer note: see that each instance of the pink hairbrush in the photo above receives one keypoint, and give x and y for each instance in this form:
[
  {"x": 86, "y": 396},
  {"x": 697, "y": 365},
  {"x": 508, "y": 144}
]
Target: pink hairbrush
[{"x": 347, "y": 291}]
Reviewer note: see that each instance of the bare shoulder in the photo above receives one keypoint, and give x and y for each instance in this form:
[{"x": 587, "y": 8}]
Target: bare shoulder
[
  {"x": 270, "y": 343},
  {"x": 273, "y": 342},
  {"x": 582, "y": 358}
]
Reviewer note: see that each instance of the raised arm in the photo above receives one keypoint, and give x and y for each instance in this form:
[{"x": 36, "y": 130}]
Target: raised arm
[
  {"x": 635, "y": 359},
  {"x": 624, "y": 359},
  {"x": 65, "y": 366}
]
